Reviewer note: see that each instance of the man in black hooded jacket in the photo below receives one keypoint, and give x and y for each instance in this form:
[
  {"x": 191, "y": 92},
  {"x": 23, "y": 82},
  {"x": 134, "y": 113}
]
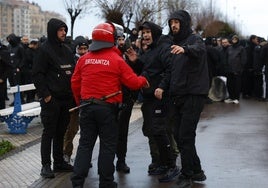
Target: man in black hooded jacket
[
  {"x": 188, "y": 86},
  {"x": 52, "y": 71},
  {"x": 155, "y": 63}
]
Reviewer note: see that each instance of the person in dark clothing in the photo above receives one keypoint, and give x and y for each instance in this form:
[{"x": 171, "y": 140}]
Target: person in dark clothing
[
  {"x": 129, "y": 97},
  {"x": 30, "y": 54},
  {"x": 133, "y": 35},
  {"x": 247, "y": 87},
  {"x": 264, "y": 59},
  {"x": 52, "y": 70},
  {"x": 99, "y": 73},
  {"x": 236, "y": 61},
  {"x": 213, "y": 58},
  {"x": 16, "y": 61},
  {"x": 155, "y": 63},
  {"x": 4, "y": 69},
  {"x": 222, "y": 69},
  {"x": 188, "y": 85},
  {"x": 258, "y": 72}
]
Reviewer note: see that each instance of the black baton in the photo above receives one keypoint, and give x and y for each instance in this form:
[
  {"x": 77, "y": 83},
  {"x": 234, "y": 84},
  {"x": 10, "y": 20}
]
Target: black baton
[{"x": 102, "y": 99}]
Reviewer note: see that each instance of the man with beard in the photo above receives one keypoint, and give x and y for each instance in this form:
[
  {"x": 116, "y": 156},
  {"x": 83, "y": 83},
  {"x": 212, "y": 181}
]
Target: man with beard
[
  {"x": 188, "y": 85},
  {"x": 52, "y": 71}
]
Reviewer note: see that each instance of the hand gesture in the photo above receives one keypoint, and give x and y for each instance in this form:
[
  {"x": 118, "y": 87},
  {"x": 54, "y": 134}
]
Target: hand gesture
[
  {"x": 131, "y": 54},
  {"x": 158, "y": 93}
]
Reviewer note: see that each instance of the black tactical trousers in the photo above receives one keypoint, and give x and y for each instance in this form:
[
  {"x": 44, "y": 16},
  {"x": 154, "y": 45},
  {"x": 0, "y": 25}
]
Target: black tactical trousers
[
  {"x": 186, "y": 112},
  {"x": 55, "y": 118},
  {"x": 96, "y": 121}
]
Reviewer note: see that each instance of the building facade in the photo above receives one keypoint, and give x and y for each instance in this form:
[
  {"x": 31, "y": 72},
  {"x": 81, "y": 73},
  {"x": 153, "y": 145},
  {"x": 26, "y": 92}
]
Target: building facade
[{"x": 24, "y": 19}]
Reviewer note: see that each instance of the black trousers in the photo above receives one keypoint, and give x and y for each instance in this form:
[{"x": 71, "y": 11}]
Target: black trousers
[
  {"x": 160, "y": 126},
  {"x": 156, "y": 127},
  {"x": 147, "y": 127},
  {"x": 2, "y": 96},
  {"x": 96, "y": 120},
  {"x": 55, "y": 118},
  {"x": 123, "y": 125},
  {"x": 247, "y": 85},
  {"x": 186, "y": 112},
  {"x": 258, "y": 85},
  {"x": 234, "y": 85}
]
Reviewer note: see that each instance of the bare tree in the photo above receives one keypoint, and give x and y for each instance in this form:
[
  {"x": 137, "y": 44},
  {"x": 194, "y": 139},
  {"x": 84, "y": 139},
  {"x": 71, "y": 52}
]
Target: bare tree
[
  {"x": 173, "y": 5},
  {"x": 122, "y": 12},
  {"x": 112, "y": 11},
  {"x": 76, "y": 8},
  {"x": 204, "y": 18},
  {"x": 146, "y": 11}
]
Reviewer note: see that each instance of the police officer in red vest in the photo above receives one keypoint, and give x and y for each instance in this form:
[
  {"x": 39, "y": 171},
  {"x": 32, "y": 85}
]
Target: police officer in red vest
[{"x": 100, "y": 73}]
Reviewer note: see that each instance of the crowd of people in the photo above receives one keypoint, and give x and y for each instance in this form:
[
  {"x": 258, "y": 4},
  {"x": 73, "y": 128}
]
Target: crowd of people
[
  {"x": 243, "y": 63},
  {"x": 105, "y": 75}
]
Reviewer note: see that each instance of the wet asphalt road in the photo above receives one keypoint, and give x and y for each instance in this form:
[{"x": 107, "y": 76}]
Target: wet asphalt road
[{"x": 232, "y": 143}]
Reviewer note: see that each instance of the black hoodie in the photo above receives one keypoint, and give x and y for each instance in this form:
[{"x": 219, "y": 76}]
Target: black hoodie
[
  {"x": 53, "y": 65},
  {"x": 155, "y": 60},
  {"x": 185, "y": 25},
  {"x": 16, "y": 52},
  {"x": 189, "y": 72}
]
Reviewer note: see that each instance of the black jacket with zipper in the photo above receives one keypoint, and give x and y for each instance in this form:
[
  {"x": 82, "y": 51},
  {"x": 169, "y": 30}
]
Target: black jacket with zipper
[{"x": 53, "y": 65}]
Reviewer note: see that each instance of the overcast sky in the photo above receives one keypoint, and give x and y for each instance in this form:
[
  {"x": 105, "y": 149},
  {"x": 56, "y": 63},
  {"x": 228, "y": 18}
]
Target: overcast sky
[{"x": 249, "y": 16}]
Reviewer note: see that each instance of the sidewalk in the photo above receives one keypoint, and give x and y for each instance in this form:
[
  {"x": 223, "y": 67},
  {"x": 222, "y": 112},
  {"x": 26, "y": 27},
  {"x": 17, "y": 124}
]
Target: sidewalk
[{"x": 21, "y": 167}]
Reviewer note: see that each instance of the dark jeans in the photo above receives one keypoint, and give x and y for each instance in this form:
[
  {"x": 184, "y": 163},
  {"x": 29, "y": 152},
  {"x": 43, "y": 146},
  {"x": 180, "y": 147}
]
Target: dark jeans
[
  {"x": 234, "y": 85},
  {"x": 96, "y": 120},
  {"x": 186, "y": 112},
  {"x": 123, "y": 123},
  {"x": 55, "y": 118}
]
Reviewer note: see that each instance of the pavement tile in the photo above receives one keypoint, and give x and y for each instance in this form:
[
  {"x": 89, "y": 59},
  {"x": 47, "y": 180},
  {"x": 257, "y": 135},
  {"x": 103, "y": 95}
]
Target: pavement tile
[{"x": 21, "y": 167}]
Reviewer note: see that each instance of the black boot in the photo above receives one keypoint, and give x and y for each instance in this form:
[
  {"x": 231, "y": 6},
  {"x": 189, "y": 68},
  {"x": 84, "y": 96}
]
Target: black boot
[
  {"x": 63, "y": 167},
  {"x": 46, "y": 172},
  {"x": 121, "y": 166}
]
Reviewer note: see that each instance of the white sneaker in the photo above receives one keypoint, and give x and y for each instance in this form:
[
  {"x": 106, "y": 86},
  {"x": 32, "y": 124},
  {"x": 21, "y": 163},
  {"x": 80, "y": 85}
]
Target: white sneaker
[
  {"x": 236, "y": 101},
  {"x": 228, "y": 101},
  {"x": 67, "y": 159}
]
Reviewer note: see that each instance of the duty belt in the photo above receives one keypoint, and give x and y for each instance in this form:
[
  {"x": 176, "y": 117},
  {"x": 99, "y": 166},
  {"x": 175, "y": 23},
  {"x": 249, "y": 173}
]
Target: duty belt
[{"x": 98, "y": 101}]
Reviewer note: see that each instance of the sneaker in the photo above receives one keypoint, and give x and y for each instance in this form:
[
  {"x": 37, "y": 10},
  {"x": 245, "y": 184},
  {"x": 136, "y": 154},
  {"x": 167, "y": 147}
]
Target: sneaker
[
  {"x": 122, "y": 167},
  {"x": 170, "y": 175},
  {"x": 46, "y": 172},
  {"x": 67, "y": 159},
  {"x": 158, "y": 171},
  {"x": 63, "y": 167},
  {"x": 236, "y": 101},
  {"x": 184, "y": 182},
  {"x": 199, "y": 176},
  {"x": 228, "y": 101}
]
